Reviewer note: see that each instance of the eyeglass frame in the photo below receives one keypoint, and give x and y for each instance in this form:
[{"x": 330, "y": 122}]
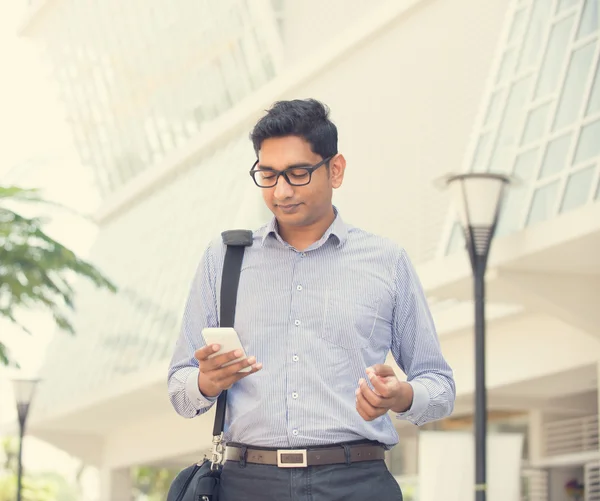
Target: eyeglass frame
[{"x": 310, "y": 169}]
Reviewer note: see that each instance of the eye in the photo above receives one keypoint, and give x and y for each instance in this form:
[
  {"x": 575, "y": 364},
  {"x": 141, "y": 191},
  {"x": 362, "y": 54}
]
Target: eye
[
  {"x": 266, "y": 174},
  {"x": 298, "y": 173}
]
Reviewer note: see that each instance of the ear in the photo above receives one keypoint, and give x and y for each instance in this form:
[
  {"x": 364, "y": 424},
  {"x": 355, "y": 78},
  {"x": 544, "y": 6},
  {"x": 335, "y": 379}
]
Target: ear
[{"x": 337, "y": 167}]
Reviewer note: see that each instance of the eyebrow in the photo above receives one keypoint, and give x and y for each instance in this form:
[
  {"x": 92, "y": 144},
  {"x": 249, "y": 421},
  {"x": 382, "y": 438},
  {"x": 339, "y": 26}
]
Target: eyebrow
[{"x": 293, "y": 166}]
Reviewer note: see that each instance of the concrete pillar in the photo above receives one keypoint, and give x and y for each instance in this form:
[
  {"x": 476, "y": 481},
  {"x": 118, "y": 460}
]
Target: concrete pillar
[
  {"x": 535, "y": 436},
  {"x": 115, "y": 484}
]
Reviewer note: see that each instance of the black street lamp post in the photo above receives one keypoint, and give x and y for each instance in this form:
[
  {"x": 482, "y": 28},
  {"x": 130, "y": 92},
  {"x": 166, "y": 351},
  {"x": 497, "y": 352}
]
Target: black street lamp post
[
  {"x": 24, "y": 390},
  {"x": 478, "y": 198}
]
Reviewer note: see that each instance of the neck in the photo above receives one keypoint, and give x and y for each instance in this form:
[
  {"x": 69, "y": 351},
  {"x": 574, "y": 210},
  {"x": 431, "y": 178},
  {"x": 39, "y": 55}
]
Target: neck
[{"x": 302, "y": 237}]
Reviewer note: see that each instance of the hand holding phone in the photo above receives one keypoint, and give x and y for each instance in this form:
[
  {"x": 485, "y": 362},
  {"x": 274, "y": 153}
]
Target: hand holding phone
[{"x": 222, "y": 361}]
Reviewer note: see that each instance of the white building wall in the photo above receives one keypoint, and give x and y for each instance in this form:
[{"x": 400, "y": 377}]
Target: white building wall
[
  {"x": 310, "y": 24},
  {"x": 418, "y": 84},
  {"x": 519, "y": 349}
]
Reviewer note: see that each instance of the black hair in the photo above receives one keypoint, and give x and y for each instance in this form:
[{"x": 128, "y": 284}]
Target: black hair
[{"x": 305, "y": 118}]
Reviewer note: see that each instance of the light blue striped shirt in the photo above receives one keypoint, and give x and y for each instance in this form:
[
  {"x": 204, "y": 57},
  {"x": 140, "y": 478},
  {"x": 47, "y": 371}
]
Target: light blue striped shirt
[{"x": 316, "y": 320}]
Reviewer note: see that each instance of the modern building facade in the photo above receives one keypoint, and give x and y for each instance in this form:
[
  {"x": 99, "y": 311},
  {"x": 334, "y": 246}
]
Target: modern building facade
[{"x": 162, "y": 98}]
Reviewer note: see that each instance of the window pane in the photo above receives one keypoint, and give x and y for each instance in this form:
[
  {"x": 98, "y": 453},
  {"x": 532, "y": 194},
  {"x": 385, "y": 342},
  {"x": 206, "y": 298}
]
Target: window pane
[
  {"x": 507, "y": 135},
  {"x": 512, "y": 209},
  {"x": 555, "y": 158},
  {"x": 554, "y": 57},
  {"x": 542, "y": 206},
  {"x": 594, "y": 104},
  {"x": 493, "y": 112},
  {"x": 535, "y": 33},
  {"x": 536, "y": 123},
  {"x": 565, "y": 4},
  {"x": 481, "y": 153},
  {"x": 578, "y": 189},
  {"x": 570, "y": 101},
  {"x": 589, "y": 18},
  {"x": 516, "y": 30},
  {"x": 589, "y": 142},
  {"x": 508, "y": 65}
]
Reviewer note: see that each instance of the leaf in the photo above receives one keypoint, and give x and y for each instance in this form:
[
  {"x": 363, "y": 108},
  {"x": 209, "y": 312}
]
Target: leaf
[{"x": 35, "y": 269}]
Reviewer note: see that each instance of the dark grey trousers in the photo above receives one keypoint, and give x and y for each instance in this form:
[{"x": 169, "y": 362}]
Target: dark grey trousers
[{"x": 369, "y": 480}]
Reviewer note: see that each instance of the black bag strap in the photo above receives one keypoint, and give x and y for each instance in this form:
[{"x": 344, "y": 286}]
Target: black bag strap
[{"x": 236, "y": 242}]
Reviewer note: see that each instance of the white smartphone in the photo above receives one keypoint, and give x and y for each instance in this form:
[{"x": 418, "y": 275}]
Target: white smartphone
[{"x": 228, "y": 339}]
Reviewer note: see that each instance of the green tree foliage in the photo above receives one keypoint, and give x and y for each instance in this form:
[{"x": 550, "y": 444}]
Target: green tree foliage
[
  {"x": 44, "y": 486},
  {"x": 34, "y": 268},
  {"x": 151, "y": 483}
]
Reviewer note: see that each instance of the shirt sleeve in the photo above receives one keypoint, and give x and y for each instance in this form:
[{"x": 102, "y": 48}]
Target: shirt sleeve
[
  {"x": 416, "y": 349},
  {"x": 200, "y": 312}
]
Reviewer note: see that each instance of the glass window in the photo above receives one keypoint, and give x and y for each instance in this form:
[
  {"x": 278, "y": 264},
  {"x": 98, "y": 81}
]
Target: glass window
[
  {"x": 514, "y": 205},
  {"x": 589, "y": 142},
  {"x": 518, "y": 25},
  {"x": 594, "y": 104},
  {"x": 555, "y": 158},
  {"x": 542, "y": 206},
  {"x": 457, "y": 239},
  {"x": 554, "y": 57},
  {"x": 590, "y": 17},
  {"x": 482, "y": 153},
  {"x": 536, "y": 123},
  {"x": 572, "y": 94},
  {"x": 507, "y": 66},
  {"x": 495, "y": 107},
  {"x": 578, "y": 188},
  {"x": 565, "y": 4},
  {"x": 507, "y": 135},
  {"x": 535, "y": 33}
]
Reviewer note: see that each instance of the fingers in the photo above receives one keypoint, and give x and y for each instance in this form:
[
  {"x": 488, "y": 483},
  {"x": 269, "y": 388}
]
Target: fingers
[
  {"x": 382, "y": 370},
  {"x": 228, "y": 382},
  {"x": 220, "y": 377},
  {"x": 375, "y": 400},
  {"x": 365, "y": 409},
  {"x": 206, "y": 351},
  {"x": 209, "y": 364},
  {"x": 379, "y": 384},
  {"x": 223, "y": 373}
]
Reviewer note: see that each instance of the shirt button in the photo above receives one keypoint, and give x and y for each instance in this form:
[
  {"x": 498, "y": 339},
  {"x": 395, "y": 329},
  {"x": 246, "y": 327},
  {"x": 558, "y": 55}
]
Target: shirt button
[
  {"x": 295, "y": 432},
  {"x": 297, "y": 323},
  {"x": 299, "y": 288},
  {"x": 303, "y": 254},
  {"x": 294, "y": 395},
  {"x": 295, "y": 358}
]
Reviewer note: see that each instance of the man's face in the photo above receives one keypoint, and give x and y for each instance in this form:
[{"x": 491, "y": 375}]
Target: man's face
[{"x": 299, "y": 205}]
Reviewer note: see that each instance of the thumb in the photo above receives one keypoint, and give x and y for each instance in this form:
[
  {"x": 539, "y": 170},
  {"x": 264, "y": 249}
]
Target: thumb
[{"x": 382, "y": 370}]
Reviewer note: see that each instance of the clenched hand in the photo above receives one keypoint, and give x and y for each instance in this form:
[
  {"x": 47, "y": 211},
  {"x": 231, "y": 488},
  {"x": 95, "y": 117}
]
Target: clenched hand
[{"x": 390, "y": 393}]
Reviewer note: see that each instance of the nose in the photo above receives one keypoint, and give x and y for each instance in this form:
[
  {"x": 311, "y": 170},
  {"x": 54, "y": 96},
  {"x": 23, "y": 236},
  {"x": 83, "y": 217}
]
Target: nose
[{"x": 283, "y": 189}]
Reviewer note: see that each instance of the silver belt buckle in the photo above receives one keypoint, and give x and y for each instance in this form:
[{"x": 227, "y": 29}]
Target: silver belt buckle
[{"x": 291, "y": 458}]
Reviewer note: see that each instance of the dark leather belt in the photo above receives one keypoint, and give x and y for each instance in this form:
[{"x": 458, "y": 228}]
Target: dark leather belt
[{"x": 301, "y": 458}]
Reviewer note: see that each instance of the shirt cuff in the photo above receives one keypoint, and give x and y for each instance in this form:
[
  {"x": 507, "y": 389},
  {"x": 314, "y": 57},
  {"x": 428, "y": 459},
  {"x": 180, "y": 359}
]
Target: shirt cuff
[
  {"x": 420, "y": 403},
  {"x": 198, "y": 400}
]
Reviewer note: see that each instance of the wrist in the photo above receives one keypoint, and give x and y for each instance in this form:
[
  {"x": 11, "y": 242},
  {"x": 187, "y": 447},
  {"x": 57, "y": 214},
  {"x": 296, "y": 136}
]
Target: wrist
[
  {"x": 405, "y": 399},
  {"x": 207, "y": 389}
]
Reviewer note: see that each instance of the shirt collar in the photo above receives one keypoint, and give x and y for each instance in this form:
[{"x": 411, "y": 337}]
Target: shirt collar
[{"x": 338, "y": 229}]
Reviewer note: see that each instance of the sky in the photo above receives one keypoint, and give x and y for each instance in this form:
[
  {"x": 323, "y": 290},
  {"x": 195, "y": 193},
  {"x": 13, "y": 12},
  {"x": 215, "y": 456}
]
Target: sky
[{"x": 36, "y": 151}]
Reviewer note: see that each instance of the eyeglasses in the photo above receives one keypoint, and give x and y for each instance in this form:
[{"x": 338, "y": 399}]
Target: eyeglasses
[{"x": 295, "y": 176}]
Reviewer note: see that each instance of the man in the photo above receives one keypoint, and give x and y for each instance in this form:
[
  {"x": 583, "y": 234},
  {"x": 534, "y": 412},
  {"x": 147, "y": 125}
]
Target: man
[{"x": 320, "y": 305}]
